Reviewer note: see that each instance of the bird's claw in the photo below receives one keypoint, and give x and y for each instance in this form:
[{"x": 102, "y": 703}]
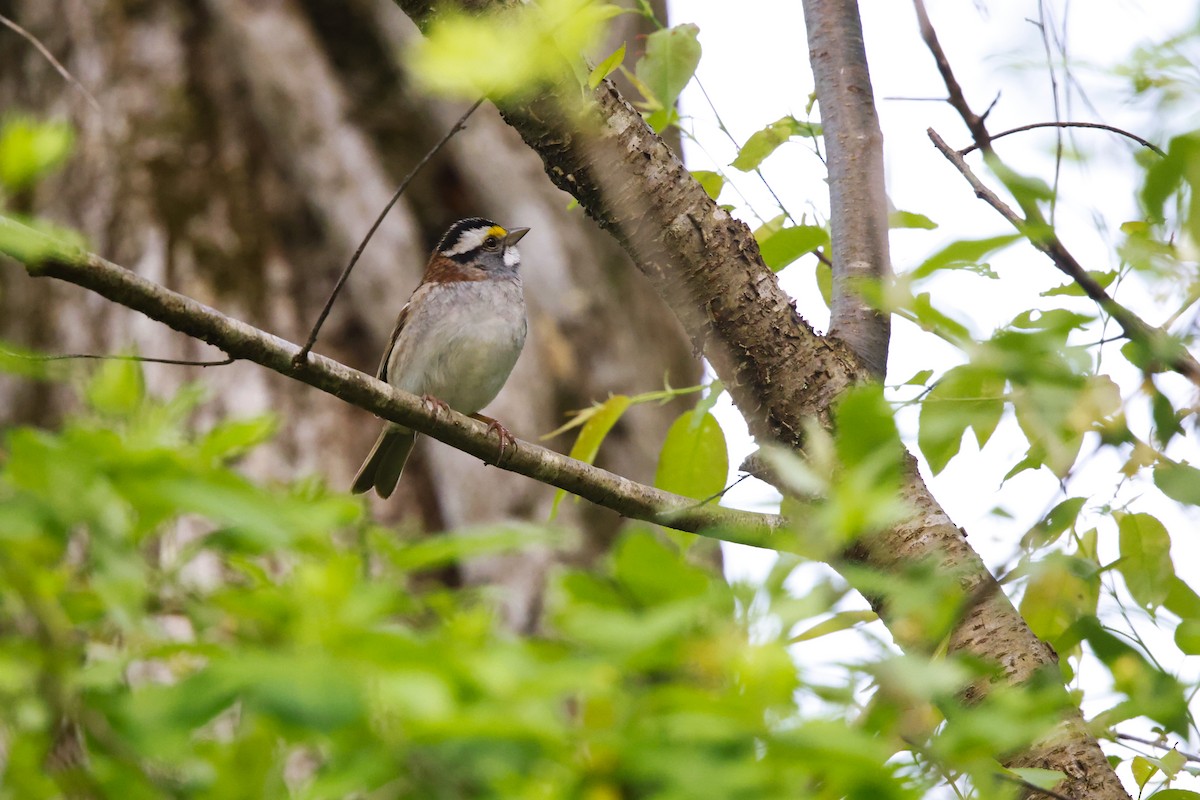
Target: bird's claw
[
  {"x": 434, "y": 404},
  {"x": 506, "y": 438}
]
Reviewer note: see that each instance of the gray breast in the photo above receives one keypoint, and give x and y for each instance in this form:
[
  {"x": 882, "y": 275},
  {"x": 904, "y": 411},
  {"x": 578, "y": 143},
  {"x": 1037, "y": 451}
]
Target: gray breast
[{"x": 461, "y": 345}]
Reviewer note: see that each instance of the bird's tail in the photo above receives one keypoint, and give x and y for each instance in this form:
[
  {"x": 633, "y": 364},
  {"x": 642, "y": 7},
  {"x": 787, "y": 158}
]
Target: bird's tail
[{"x": 383, "y": 466}]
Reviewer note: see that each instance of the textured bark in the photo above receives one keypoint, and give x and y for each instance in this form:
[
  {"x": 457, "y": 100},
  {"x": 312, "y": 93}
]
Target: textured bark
[
  {"x": 857, "y": 200},
  {"x": 707, "y": 267},
  {"x": 242, "y": 150}
]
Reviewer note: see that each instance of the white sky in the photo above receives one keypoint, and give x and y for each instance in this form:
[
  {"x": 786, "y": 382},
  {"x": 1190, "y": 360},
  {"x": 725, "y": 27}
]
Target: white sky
[{"x": 755, "y": 69}]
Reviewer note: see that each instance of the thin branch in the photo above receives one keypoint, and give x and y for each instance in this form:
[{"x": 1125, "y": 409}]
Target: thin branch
[
  {"x": 1128, "y": 737},
  {"x": 41, "y": 48},
  {"x": 956, "y": 97},
  {"x": 243, "y": 341},
  {"x": 1176, "y": 356},
  {"x": 1058, "y": 142},
  {"x": 112, "y": 357},
  {"x": 302, "y": 355},
  {"x": 1098, "y": 125}
]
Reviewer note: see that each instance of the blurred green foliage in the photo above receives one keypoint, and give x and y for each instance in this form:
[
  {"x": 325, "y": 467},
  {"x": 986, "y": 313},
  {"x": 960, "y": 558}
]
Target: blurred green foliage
[{"x": 195, "y": 634}]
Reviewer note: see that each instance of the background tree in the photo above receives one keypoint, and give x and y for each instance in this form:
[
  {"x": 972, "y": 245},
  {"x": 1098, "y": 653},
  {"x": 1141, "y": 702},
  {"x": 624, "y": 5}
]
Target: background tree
[
  {"x": 797, "y": 389},
  {"x": 240, "y": 150}
]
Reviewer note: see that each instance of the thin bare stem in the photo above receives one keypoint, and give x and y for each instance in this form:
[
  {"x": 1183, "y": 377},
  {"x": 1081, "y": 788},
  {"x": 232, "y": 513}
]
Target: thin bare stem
[
  {"x": 113, "y": 357},
  {"x": 956, "y": 98},
  {"x": 54, "y": 62},
  {"x": 302, "y": 355},
  {"x": 1160, "y": 744},
  {"x": 1098, "y": 125}
]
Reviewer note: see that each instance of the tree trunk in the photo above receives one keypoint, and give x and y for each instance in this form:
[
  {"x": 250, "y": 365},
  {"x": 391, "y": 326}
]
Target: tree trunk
[{"x": 241, "y": 151}]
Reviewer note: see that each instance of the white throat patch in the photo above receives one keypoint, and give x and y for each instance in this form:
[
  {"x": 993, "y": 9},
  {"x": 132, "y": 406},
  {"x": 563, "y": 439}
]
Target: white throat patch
[{"x": 511, "y": 257}]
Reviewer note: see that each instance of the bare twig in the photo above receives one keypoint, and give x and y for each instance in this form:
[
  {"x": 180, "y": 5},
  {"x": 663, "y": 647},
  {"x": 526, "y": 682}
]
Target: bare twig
[
  {"x": 243, "y": 341},
  {"x": 956, "y": 97},
  {"x": 54, "y": 62},
  {"x": 1098, "y": 125},
  {"x": 302, "y": 355},
  {"x": 1160, "y": 744},
  {"x": 113, "y": 357},
  {"x": 1044, "y": 30}
]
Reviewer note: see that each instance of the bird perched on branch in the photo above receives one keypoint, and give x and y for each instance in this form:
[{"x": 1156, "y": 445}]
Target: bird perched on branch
[{"x": 455, "y": 341}]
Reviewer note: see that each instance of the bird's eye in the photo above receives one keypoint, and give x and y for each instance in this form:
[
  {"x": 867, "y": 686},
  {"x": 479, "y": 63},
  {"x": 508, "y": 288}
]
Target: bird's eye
[{"x": 491, "y": 243}]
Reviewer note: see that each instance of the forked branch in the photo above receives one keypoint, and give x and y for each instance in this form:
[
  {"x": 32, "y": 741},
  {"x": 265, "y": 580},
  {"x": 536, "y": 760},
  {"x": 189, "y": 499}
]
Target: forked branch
[{"x": 1160, "y": 348}]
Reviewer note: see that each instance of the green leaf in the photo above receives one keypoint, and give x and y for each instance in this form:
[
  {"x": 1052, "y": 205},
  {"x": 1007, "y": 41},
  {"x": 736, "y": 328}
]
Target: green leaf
[
  {"x": 782, "y": 247},
  {"x": 1180, "y": 482},
  {"x": 965, "y": 254},
  {"x": 866, "y": 428},
  {"x": 34, "y": 241},
  {"x": 909, "y": 219},
  {"x": 766, "y": 141},
  {"x": 931, "y": 318},
  {"x": 512, "y": 52},
  {"x": 1174, "y": 794},
  {"x": 654, "y": 573},
  {"x": 606, "y": 67},
  {"x": 1073, "y": 289},
  {"x": 713, "y": 182},
  {"x": 825, "y": 283},
  {"x": 671, "y": 58},
  {"x": 840, "y": 621},
  {"x": 965, "y": 397},
  {"x": 29, "y": 149},
  {"x": 920, "y": 378},
  {"x": 1061, "y": 518},
  {"x": 1165, "y": 178},
  {"x": 694, "y": 461},
  {"x": 592, "y": 435},
  {"x": 1145, "y": 561},
  {"x": 1187, "y": 637},
  {"x": 232, "y": 438},
  {"x": 1182, "y": 599},
  {"x": 117, "y": 388},
  {"x": 1041, "y": 778},
  {"x": 1061, "y": 590},
  {"x": 1142, "y": 770},
  {"x": 450, "y": 548}
]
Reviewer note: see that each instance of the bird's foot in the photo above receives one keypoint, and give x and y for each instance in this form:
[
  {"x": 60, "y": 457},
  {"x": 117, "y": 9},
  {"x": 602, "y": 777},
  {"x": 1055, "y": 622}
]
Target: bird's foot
[
  {"x": 506, "y": 439},
  {"x": 434, "y": 404}
]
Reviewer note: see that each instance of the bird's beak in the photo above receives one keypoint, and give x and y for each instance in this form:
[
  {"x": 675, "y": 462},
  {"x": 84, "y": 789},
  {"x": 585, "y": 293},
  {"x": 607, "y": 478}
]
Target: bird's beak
[{"x": 514, "y": 236}]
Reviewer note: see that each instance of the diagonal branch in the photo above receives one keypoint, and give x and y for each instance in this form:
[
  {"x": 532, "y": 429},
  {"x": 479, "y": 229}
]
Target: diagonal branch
[
  {"x": 44, "y": 257},
  {"x": 1160, "y": 348}
]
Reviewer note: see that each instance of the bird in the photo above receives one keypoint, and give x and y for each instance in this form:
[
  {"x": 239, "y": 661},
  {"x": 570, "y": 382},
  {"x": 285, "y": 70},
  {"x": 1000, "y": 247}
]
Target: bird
[{"x": 456, "y": 340}]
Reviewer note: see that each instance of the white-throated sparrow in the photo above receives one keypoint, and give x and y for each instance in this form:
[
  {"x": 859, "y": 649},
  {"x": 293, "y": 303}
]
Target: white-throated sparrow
[{"x": 456, "y": 340}]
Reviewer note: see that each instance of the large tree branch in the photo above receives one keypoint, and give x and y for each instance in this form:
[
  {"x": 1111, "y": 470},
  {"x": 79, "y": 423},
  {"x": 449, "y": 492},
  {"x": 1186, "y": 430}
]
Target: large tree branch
[
  {"x": 44, "y": 257},
  {"x": 857, "y": 197},
  {"x": 779, "y": 372}
]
